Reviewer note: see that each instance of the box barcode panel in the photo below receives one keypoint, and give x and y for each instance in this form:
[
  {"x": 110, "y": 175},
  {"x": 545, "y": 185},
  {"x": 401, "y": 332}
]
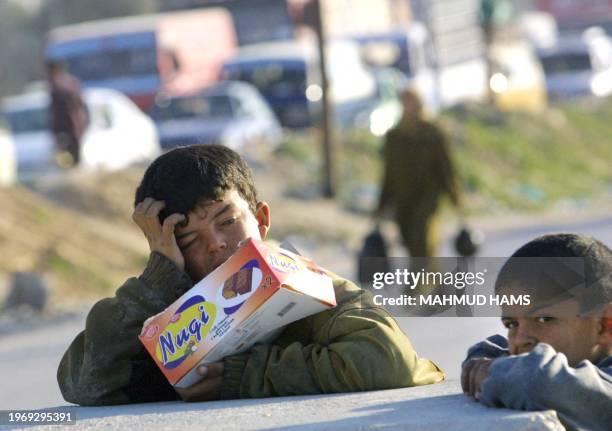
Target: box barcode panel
[{"x": 286, "y": 309}]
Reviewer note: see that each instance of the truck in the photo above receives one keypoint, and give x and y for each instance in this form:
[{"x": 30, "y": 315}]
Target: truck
[{"x": 145, "y": 55}]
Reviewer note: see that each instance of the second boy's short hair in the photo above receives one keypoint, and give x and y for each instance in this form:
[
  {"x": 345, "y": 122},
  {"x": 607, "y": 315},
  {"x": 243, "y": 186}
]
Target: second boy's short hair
[
  {"x": 562, "y": 266},
  {"x": 186, "y": 176}
]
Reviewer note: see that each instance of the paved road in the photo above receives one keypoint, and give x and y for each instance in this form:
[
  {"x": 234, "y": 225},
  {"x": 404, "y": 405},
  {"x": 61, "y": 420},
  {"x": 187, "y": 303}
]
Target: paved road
[
  {"x": 28, "y": 360},
  {"x": 28, "y": 363}
]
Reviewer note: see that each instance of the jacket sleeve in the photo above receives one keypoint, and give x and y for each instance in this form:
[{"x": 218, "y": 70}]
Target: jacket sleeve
[
  {"x": 493, "y": 347},
  {"x": 542, "y": 379},
  {"x": 106, "y": 363},
  {"x": 360, "y": 349}
]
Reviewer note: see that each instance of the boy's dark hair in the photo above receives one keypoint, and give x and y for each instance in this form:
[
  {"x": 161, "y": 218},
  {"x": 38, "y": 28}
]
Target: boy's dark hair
[
  {"x": 562, "y": 266},
  {"x": 185, "y": 176}
]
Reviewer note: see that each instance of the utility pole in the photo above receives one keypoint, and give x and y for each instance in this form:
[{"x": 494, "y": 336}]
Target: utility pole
[
  {"x": 433, "y": 32},
  {"x": 487, "y": 24},
  {"x": 329, "y": 186}
]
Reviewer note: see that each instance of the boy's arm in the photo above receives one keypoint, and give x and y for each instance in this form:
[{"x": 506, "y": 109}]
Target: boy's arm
[
  {"x": 493, "y": 347},
  {"x": 358, "y": 349},
  {"x": 475, "y": 367},
  {"x": 542, "y": 379},
  {"x": 106, "y": 363}
]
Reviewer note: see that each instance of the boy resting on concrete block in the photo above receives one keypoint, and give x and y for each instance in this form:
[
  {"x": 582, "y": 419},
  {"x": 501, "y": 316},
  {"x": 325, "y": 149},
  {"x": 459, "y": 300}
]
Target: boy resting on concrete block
[{"x": 558, "y": 351}]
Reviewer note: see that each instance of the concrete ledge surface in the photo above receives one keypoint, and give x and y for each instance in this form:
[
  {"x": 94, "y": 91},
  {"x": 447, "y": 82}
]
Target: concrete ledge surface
[{"x": 427, "y": 408}]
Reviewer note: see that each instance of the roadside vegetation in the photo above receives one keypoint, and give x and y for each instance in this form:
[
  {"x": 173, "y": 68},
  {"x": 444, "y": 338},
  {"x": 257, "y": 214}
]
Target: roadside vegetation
[
  {"x": 506, "y": 162},
  {"x": 79, "y": 233}
]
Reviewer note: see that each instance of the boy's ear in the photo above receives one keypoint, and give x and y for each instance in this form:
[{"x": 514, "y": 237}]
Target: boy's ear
[
  {"x": 605, "y": 328},
  {"x": 262, "y": 214}
]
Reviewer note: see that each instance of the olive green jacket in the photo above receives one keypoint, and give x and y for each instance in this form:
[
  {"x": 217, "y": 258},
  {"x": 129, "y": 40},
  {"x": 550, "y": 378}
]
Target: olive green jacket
[
  {"x": 418, "y": 169},
  {"x": 355, "y": 346}
]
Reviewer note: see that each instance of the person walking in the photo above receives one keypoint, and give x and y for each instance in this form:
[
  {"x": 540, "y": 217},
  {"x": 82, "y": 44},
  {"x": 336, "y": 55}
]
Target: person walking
[
  {"x": 68, "y": 114},
  {"x": 418, "y": 172}
]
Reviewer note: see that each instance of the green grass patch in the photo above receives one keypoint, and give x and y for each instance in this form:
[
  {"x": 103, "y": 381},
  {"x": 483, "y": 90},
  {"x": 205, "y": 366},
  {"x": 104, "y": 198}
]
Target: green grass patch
[
  {"x": 88, "y": 276},
  {"x": 524, "y": 161},
  {"x": 505, "y": 161}
]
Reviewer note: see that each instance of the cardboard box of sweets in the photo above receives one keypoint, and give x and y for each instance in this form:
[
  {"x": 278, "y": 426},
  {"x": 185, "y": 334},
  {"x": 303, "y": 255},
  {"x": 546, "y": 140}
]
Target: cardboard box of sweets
[{"x": 259, "y": 289}]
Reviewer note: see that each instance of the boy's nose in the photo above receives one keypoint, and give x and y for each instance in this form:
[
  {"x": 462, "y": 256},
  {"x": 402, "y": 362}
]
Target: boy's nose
[
  {"x": 216, "y": 243},
  {"x": 524, "y": 339}
]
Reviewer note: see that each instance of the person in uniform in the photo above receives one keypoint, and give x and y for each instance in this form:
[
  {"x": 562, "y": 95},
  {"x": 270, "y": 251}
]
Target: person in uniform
[{"x": 418, "y": 171}]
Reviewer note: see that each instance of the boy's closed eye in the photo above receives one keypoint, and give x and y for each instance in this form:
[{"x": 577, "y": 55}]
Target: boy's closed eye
[
  {"x": 184, "y": 242},
  {"x": 186, "y": 246},
  {"x": 229, "y": 221}
]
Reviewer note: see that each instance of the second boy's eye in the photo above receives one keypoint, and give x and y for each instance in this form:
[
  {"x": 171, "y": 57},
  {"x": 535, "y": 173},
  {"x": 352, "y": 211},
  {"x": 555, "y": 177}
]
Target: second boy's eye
[
  {"x": 509, "y": 323},
  {"x": 545, "y": 319}
]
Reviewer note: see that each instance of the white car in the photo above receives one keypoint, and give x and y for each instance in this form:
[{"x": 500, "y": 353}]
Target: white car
[
  {"x": 118, "y": 133},
  {"x": 230, "y": 113},
  {"x": 578, "y": 66},
  {"x": 8, "y": 164}
]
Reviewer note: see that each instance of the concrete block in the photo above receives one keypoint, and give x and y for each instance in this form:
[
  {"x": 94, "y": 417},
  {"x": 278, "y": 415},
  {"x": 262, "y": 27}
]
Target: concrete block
[{"x": 426, "y": 408}]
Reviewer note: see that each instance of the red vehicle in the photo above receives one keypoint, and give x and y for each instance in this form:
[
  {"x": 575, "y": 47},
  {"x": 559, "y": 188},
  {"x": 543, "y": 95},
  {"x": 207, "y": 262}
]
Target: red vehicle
[{"x": 144, "y": 55}]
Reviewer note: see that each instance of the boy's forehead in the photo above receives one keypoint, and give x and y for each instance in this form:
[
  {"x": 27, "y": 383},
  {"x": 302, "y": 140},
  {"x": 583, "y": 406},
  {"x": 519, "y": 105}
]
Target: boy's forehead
[
  {"x": 554, "y": 307},
  {"x": 545, "y": 298},
  {"x": 208, "y": 207}
]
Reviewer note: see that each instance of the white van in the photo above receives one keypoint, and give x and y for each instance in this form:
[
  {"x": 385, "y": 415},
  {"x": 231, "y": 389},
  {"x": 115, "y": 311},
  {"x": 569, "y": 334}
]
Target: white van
[
  {"x": 579, "y": 66},
  {"x": 287, "y": 74},
  {"x": 411, "y": 50}
]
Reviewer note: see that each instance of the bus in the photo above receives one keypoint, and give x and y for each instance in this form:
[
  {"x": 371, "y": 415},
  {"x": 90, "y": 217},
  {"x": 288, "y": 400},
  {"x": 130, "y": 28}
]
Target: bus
[{"x": 142, "y": 56}]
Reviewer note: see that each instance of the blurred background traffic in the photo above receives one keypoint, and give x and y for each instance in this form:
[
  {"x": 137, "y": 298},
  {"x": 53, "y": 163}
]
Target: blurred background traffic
[{"x": 520, "y": 88}]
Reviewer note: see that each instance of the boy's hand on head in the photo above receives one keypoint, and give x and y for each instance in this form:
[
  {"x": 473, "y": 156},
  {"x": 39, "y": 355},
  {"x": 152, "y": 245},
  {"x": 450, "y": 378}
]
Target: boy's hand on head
[
  {"x": 473, "y": 373},
  {"x": 160, "y": 237},
  {"x": 209, "y": 388}
]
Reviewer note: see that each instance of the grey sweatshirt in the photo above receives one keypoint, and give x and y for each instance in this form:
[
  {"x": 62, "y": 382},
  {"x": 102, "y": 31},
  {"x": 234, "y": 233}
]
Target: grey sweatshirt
[{"x": 542, "y": 379}]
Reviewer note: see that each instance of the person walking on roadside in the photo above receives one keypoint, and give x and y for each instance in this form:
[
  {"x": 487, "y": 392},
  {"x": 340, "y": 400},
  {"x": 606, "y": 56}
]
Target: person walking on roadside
[
  {"x": 68, "y": 114},
  {"x": 418, "y": 171}
]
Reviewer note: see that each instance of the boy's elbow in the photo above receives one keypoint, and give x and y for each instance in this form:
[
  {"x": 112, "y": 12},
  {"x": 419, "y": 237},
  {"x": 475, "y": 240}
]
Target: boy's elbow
[
  {"x": 70, "y": 389},
  {"x": 408, "y": 368},
  {"x": 79, "y": 394},
  {"x": 398, "y": 373},
  {"x": 74, "y": 390},
  {"x": 420, "y": 371},
  {"x": 398, "y": 366},
  {"x": 72, "y": 393},
  {"x": 392, "y": 361},
  {"x": 74, "y": 397}
]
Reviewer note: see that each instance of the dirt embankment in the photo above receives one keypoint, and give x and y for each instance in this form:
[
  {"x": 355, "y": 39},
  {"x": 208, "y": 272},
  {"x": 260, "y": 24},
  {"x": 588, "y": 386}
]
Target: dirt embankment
[{"x": 75, "y": 238}]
